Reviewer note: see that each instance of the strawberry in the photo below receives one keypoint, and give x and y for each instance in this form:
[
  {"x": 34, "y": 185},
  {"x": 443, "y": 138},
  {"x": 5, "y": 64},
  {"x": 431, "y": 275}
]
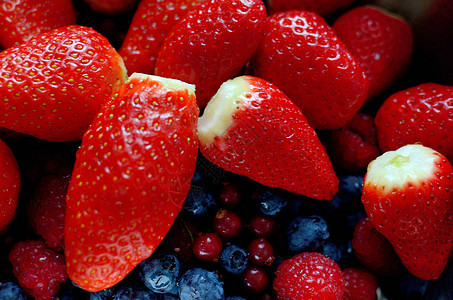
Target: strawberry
[
  {"x": 309, "y": 275},
  {"x": 10, "y": 185},
  {"x": 211, "y": 44},
  {"x": 111, "y": 6},
  {"x": 407, "y": 194},
  {"x": 420, "y": 114},
  {"x": 151, "y": 23},
  {"x": 20, "y": 20},
  {"x": 324, "y": 8},
  {"x": 360, "y": 284},
  {"x": 131, "y": 176},
  {"x": 302, "y": 56},
  {"x": 47, "y": 209},
  {"x": 251, "y": 128},
  {"x": 353, "y": 146},
  {"x": 52, "y": 86},
  {"x": 381, "y": 42},
  {"x": 373, "y": 250}
]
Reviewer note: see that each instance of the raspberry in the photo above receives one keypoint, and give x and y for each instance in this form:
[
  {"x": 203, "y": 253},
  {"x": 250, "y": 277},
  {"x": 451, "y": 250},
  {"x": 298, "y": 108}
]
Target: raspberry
[
  {"x": 47, "y": 209},
  {"x": 360, "y": 284},
  {"x": 39, "y": 269},
  {"x": 309, "y": 275}
]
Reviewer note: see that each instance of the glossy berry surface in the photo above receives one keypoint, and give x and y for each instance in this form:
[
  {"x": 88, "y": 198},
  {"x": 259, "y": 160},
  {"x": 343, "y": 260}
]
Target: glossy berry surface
[
  {"x": 262, "y": 226},
  {"x": 234, "y": 259},
  {"x": 198, "y": 283},
  {"x": 227, "y": 224},
  {"x": 207, "y": 247},
  {"x": 161, "y": 274},
  {"x": 255, "y": 280},
  {"x": 260, "y": 252}
]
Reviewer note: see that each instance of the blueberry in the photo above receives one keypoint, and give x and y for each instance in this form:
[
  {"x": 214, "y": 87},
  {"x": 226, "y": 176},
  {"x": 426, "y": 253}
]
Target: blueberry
[
  {"x": 350, "y": 189},
  {"x": 306, "y": 233},
  {"x": 198, "y": 201},
  {"x": 200, "y": 284},
  {"x": 235, "y": 298},
  {"x": 342, "y": 254},
  {"x": 234, "y": 259},
  {"x": 160, "y": 274},
  {"x": 272, "y": 201},
  {"x": 106, "y": 294},
  {"x": 11, "y": 291},
  {"x": 134, "y": 293}
]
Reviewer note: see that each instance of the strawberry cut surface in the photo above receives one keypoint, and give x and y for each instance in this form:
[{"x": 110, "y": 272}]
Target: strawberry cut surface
[
  {"x": 251, "y": 128},
  {"x": 131, "y": 176}
]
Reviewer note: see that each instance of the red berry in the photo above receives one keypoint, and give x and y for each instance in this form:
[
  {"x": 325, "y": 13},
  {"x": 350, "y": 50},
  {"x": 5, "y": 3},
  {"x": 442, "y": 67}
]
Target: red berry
[
  {"x": 39, "y": 269},
  {"x": 9, "y": 187},
  {"x": 230, "y": 195},
  {"x": 309, "y": 275},
  {"x": 256, "y": 280},
  {"x": 261, "y": 252},
  {"x": 262, "y": 226},
  {"x": 227, "y": 224},
  {"x": 360, "y": 284},
  {"x": 207, "y": 247}
]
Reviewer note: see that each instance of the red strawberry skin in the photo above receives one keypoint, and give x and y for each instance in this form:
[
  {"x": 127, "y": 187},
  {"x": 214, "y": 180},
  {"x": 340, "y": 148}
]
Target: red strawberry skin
[
  {"x": 131, "y": 176},
  {"x": 9, "y": 186},
  {"x": 407, "y": 196},
  {"x": 270, "y": 141},
  {"x": 20, "y": 20},
  {"x": 381, "y": 42},
  {"x": 303, "y": 57},
  {"x": 152, "y": 21},
  {"x": 322, "y": 7},
  {"x": 309, "y": 275},
  {"x": 211, "y": 44},
  {"x": 53, "y": 86},
  {"x": 420, "y": 114},
  {"x": 373, "y": 250}
]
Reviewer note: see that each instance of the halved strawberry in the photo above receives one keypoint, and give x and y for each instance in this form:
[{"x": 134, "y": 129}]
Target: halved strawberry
[
  {"x": 408, "y": 195},
  {"x": 21, "y": 20},
  {"x": 251, "y": 128},
  {"x": 131, "y": 176},
  {"x": 53, "y": 86}
]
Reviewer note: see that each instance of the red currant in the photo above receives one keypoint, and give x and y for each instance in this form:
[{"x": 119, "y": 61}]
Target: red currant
[
  {"x": 207, "y": 247},
  {"x": 256, "y": 280},
  {"x": 261, "y": 252},
  {"x": 227, "y": 224},
  {"x": 262, "y": 226},
  {"x": 230, "y": 195}
]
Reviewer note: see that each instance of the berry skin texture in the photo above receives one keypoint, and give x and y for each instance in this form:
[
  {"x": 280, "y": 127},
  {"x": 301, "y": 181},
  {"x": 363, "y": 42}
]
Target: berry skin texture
[
  {"x": 381, "y": 42},
  {"x": 251, "y": 128},
  {"x": 420, "y": 114},
  {"x": 309, "y": 275},
  {"x": 9, "y": 187},
  {"x": 47, "y": 209},
  {"x": 53, "y": 86},
  {"x": 227, "y": 224},
  {"x": 131, "y": 176},
  {"x": 11, "y": 291},
  {"x": 360, "y": 284},
  {"x": 39, "y": 269},
  {"x": 198, "y": 283},
  {"x": 160, "y": 273},
  {"x": 20, "y": 20},
  {"x": 407, "y": 196},
  {"x": 207, "y": 247},
  {"x": 152, "y": 21},
  {"x": 303, "y": 57},
  {"x": 322, "y": 7},
  {"x": 373, "y": 250},
  {"x": 354, "y": 146},
  {"x": 207, "y": 46}
]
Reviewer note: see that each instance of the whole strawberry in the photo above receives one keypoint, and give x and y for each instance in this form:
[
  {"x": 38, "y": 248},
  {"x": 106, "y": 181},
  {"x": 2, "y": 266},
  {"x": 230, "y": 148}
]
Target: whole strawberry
[
  {"x": 9, "y": 185},
  {"x": 151, "y": 23},
  {"x": 131, "y": 176},
  {"x": 39, "y": 269},
  {"x": 381, "y": 42},
  {"x": 309, "y": 275},
  {"x": 53, "y": 86},
  {"x": 251, "y": 128},
  {"x": 408, "y": 195},
  {"x": 360, "y": 284},
  {"x": 20, "y": 20},
  {"x": 324, "y": 8},
  {"x": 303, "y": 57},
  {"x": 211, "y": 44},
  {"x": 420, "y": 114},
  {"x": 47, "y": 209}
]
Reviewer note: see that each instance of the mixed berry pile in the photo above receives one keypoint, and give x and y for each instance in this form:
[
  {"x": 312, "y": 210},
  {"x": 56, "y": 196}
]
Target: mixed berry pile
[{"x": 225, "y": 149}]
